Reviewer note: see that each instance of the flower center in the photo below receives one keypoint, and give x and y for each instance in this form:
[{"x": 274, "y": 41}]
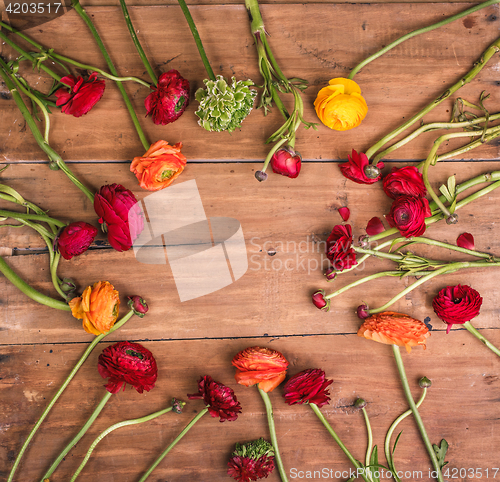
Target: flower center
[
  {"x": 457, "y": 300},
  {"x": 134, "y": 353}
]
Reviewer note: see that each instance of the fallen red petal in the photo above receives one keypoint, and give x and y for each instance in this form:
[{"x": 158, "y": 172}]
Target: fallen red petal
[
  {"x": 344, "y": 213},
  {"x": 374, "y": 226},
  {"x": 465, "y": 240}
]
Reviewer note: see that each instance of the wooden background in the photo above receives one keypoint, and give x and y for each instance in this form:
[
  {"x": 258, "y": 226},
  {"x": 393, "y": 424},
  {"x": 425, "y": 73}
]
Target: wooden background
[{"x": 284, "y": 222}]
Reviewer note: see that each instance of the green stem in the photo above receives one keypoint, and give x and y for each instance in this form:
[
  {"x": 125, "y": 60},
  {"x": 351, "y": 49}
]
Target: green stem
[
  {"x": 419, "y": 31},
  {"x": 54, "y": 262},
  {"x": 271, "y": 153},
  {"x": 32, "y": 217},
  {"x": 481, "y": 338},
  {"x": 73, "y": 372},
  {"x": 137, "y": 44},
  {"x": 29, "y": 291},
  {"x": 432, "y": 127},
  {"x": 106, "y": 432},
  {"x": 78, "y": 436},
  {"x": 361, "y": 281},
  {"x": 387, "y": 442},
  {"x": 171, "y": 446},
  {"x": 272, "y": 433},
  {"x": 478, "y": 66},
  {"x": 83, "y": 14},
  {"x": 369, "y": 446},
  {"x": 324, "y": 421},
  {"x": 416, "y": 414},
  {"x": 197, "y": 39}
]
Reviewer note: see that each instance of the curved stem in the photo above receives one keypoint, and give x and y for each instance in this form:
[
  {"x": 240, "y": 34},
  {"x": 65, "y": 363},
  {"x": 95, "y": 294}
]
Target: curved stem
[
  {"x": 271, "y": 153},
  {"x": 272, "y": 433},
  {"x": 171, "y": 446},
  {"x": 77, "y": 437},
  {"x": 344, "y": 449},
  {"x": 197, "y": 39},
  {"x": 481, "y": 338},
  {"x": 381, "y": 274},
  {"x": 419, "y": 31},
  {"x": 370, "y": 439},
  {"x": 54, "y": 262},
  {"x": 387, "y": 442},
  {"x": 32, "y": 217},
  {"x": 28, "y": 290},
  {"x": 59, "y": 392},
  {"x": 83, "y": 14},
  {"x": 416, "y": 414},
  {"x": 137, "y": 44},
  {"x": 478, "y": 66},
  {"x": 106, "y": 432}
]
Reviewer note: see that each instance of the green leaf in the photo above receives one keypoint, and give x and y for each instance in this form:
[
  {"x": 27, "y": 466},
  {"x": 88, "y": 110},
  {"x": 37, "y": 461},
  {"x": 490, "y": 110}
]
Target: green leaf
[
  {"x": 451, "y": 186},
  {"x": 446, "y": 193},
  {"x": 441, "y": 452},
  {"x": 396, "y": 442},
  {"x": 374, "y": 463}
]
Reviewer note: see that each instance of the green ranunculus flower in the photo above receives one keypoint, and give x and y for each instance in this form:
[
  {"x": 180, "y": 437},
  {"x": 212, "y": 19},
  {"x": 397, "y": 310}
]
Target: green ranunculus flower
[{"x": 223, "y": 106}]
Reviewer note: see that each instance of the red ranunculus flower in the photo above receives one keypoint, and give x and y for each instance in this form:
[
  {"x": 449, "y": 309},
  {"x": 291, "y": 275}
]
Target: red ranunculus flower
[
  {"x": 339, "y": 247},
  {"x": 457, "y": 304},
  {"x": 75, "y": 238},
  {"x": 408, "y": 214},
  {"x": 287, "y": 162},
  {"x": 219, "y": 399},
  {"x": 319, "y": 300},
  {"x": 358, "y": 169},
  {"x": 170, "y": 99},
  {"x": 117, "y": 207},
  {"x": 404, "y": 181},
  {"x": 260, "y": 366},
  {"x": 126, "y": 362},
  {"x": 251, "y": 461},
  {"x": 308, "y": 386},
  {"x": 82, "y": 94}
]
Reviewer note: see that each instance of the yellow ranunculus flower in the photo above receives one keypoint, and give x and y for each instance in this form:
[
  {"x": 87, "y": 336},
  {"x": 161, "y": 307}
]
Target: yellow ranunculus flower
[
  {"x": 97, "y": 307},
  {"x": 340, "y": 106}
]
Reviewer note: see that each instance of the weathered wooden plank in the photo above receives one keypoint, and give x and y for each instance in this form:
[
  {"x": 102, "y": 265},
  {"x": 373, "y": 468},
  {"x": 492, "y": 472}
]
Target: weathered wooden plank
[
  {"x": 458, "y": 407},
  {"x": 339, "y": 37},
  {"x": 280, "y": 216}
]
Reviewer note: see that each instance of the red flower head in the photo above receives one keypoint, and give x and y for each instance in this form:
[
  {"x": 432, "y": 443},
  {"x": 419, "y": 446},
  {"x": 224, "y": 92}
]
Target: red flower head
[
  {"x": 260, "y": 366},
  {"x": 319, "y": 300},
  {"x": 408, "y": 214},
  {"x": 170, "y": 99},
  {"x": 308, "y": 386},
  {"x": 117, "y": 207},
  {"x": 404, "y": 181},
  {"x": 358, "y": 169},
  {"x": 251, "y": 461},
  {"x": 287, "y": 162},
  {"x": 339, "y": 247},
  {"x": 126, "y": 362},
  {"x": 138, "y": 305},
  {"x": 457, "y": 304},
  {"x": 219, "y": 399},
  {"x": 82, "y": 94},
  {"x": 74, "y": 239}
]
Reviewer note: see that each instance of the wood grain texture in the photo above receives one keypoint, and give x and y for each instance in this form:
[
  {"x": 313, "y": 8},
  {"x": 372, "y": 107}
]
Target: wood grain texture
[{"x": 432, "y": 63}]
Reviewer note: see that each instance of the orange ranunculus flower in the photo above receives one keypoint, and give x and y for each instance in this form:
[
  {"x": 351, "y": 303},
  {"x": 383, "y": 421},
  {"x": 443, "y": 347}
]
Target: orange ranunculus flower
[
  {"x": 395, "y": 329},
  {"x": 340, "y": 106},
  {"x": 260, "y": 366},
  {"x": 97, "y": 307},
  {"x": 161, "y": 164}
]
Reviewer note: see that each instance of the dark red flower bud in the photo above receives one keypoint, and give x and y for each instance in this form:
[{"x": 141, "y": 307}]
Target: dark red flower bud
[
  {"x": 170, "y": 99},
  {"x": 356, "y": 166},
  {"x": 177, "y": 405},
  {"x": 320, "y": 301},
  {"x": 339, "y": 247},
  {"x": 260, "y": 176},
  {"x": 219, "y": 399},
  {"x": 74, "y": 239},
  {"x": 251, "y": 461},
  {"x": 308, "y": 386},
  {"x": 330, "y": 274},
  {"x": 118, "y": 209},
  {"x": 360, "y": 403},
  {"x": 363, "y": 311},
  {"x": 457, "y": 304},
  {"x": 287, "y": 162},
  {"x": 126, "y": 362},
  {"x": 81, "y": 96},
  {"x": 139, "y": 305},
  {"x": 408, "y": 215},
  {"x": 404, "y": 181}
]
